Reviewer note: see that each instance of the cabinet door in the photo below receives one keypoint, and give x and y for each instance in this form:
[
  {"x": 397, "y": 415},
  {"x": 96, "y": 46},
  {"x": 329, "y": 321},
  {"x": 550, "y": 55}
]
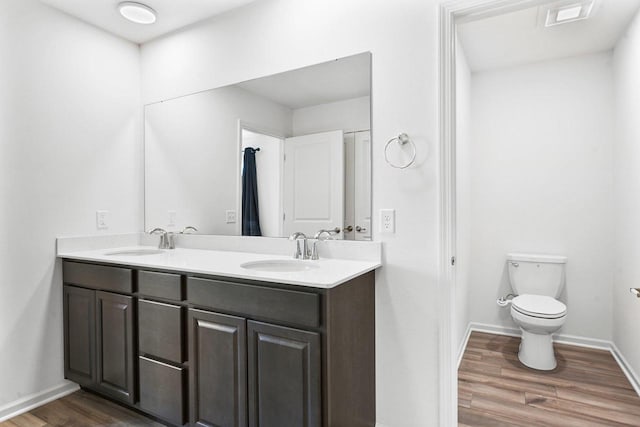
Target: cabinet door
[
  {"x": 284, "y": 376},
  {"x": 79, "y": 335},
  {"x": 114, "y": 338},
  {"x": 218, "y": 363}
]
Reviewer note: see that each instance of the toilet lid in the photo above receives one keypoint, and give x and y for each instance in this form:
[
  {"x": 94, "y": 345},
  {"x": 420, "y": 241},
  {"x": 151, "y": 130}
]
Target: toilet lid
[{"x": 539, "y": 306}]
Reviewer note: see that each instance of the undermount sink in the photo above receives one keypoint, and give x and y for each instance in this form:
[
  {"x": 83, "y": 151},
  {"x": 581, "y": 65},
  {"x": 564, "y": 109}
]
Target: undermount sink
[
  {"x": 135, "y": 252},
  {"x": 280, "y": 265}
]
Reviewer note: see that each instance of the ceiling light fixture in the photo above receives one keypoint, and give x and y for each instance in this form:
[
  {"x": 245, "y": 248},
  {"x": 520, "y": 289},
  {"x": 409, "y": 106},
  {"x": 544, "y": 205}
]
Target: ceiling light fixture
[
  {"x": 137, "y": 12},
  {"x": 568, "y": 13}
]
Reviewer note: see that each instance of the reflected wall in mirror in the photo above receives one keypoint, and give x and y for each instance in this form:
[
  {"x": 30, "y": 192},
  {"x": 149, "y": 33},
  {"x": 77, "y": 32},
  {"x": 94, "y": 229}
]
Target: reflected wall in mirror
[{"x": 271, "y": 156}]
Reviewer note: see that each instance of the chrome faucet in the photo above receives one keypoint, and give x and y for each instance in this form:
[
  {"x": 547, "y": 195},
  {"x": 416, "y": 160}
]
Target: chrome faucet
[
  {"x": 328, "y": 235},
  {"x": 167, "y": 240},
  {"x": 300, "y": 253}
]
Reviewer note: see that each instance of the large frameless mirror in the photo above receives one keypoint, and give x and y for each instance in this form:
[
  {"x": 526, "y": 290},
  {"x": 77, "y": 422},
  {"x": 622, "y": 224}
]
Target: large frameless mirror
[{"x": 267, "y": 157}]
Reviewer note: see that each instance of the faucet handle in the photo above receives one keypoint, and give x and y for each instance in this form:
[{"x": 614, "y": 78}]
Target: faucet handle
[
  {"x": 321, "y": 236},
  {"x": 189, "y": 229},
  {"x": 158, "y": 230},
  {"x": 328, "y": 234}
]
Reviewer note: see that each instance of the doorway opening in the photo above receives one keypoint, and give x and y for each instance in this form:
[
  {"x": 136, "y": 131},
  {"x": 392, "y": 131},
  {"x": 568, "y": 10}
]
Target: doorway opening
[{"x": 534, "y": 165}]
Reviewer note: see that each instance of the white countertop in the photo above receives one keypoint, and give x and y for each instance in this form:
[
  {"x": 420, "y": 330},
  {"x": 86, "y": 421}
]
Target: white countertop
[{"x": 331, "y": 272}]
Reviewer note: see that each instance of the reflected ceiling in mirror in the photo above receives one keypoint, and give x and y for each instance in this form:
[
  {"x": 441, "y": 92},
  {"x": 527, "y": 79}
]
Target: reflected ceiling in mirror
[{"x": 271, "y": 156}]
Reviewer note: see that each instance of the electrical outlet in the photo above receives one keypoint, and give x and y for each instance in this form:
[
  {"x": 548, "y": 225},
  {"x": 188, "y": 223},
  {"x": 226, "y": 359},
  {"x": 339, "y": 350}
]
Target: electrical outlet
[
  {"x": 102, "y": 220},
  {"x": 172, "y": 218},
  {"x": 231, "y": 217},
  {"x": 387, "y": 220}
]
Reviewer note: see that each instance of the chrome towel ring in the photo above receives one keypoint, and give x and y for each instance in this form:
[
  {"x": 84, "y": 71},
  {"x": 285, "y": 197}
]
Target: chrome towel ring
[{"x": 402, "y": 139}]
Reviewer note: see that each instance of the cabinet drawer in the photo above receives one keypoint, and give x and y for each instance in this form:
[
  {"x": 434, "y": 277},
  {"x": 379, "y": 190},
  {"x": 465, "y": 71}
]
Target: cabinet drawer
[
  {"x": 162, "y": 390},
  {"x": 160, "y": 330},
  {"x": 302, "y": 308},
  {"x": 160, "y": 285},
  {"x": 101, "y": 277}
]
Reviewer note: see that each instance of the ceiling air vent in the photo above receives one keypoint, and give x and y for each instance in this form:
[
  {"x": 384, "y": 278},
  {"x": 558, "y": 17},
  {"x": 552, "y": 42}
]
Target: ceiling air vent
[{"x": 568, "y": 12}]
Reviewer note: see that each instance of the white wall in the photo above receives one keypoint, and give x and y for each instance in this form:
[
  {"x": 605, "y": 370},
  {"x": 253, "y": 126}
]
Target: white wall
[
  {"x": 542, "y": 176},
  {"x": 350, "y": 115},
  {"x": 192, "y": 155},
  {"x": 69, "y": 144},
  {"x": 463, "y": 195},
  {"x": 626, "y": 315},
  {"x": 272, "y": 36}
]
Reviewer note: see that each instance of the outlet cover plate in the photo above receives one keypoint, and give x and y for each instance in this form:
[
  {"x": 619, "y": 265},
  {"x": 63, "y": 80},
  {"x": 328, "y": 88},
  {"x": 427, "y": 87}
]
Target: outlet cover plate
[
  {"x": 387, "y": 220},
  {"x": 102, "y": 220},
  {"x": 231, "y": 216}
]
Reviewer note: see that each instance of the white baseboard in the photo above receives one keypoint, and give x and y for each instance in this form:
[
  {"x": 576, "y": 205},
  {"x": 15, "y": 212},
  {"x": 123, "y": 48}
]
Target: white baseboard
[
  {"x": 559, "y": 338},
  {"x": 463, "y": 344},
  {"x": 494, "y": 329},
  {"x": 599, "y": 344},
  {"x": 626, "y": 368},
  {"x": 27, "y": 403}
]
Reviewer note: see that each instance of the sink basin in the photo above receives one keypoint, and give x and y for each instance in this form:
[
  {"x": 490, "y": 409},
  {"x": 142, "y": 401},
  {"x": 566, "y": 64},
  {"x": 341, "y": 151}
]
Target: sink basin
[
  {"x": 280, "y": 265},
  {"x": 135, "y": 252}
]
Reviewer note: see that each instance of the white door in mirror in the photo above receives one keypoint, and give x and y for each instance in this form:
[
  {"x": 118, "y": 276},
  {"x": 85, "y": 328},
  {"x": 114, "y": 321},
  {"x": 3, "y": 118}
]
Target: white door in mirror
[{"x": 314, "y": 183}]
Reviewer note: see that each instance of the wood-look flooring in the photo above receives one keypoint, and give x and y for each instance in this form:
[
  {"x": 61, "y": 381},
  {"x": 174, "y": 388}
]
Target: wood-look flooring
[
  {"x": 80, "y": 409},
  {"x": 588, "y": 388}
]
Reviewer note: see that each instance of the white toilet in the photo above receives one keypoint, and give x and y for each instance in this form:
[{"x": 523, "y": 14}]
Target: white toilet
[{"x": 537, "y": 280}]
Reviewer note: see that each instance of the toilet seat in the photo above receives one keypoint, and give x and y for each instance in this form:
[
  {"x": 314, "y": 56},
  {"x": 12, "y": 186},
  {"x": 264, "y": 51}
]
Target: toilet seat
[{"x": 539, "y": 306}]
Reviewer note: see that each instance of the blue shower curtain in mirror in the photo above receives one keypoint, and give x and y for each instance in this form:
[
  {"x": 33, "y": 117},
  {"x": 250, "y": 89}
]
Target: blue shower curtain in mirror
[{"x": 250, "y": 216}]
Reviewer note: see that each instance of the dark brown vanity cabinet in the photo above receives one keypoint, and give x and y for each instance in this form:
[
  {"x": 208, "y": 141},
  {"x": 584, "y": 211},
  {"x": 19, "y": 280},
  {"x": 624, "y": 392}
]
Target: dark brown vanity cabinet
[
  {"x": 218, "y": 352},
  {"x": 98, "y": 329}
]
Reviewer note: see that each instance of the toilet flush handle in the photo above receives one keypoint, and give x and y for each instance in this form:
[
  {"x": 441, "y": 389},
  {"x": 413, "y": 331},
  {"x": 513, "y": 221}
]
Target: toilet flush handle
[
  {"x": 506, "y": 300},
  {"x": 515, "y": 264}
]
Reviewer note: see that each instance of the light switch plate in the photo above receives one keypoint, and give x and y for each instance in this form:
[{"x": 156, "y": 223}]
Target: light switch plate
[
  {"x": 387, "y": 220},
  {"x": 231, "y": 216},
  {"x": 102, "y": 220}
]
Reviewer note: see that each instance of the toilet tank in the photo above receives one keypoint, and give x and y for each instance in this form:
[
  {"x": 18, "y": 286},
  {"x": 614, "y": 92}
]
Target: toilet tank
[{"x": 536, "y": 274}]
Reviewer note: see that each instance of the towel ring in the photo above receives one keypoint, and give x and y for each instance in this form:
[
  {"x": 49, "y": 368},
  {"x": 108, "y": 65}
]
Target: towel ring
[{"x": 401, "y": 139}]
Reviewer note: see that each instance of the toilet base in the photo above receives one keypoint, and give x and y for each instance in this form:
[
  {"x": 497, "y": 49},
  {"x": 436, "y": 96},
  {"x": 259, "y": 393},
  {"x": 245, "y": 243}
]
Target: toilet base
[{"x": 536, "y": 351}]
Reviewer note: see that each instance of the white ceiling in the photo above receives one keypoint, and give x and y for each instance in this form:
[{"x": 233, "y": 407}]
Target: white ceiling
[
  {"x": 332, "y": 81},
  {"x": 520, "y": 37},
  {"x": 172, "y": 15}
]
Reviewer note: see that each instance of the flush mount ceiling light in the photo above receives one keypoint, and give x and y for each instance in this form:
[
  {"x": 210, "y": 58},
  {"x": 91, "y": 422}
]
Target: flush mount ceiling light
[
  {"x": 568, "y": 13},
  {"x": 137, "y": 12}
]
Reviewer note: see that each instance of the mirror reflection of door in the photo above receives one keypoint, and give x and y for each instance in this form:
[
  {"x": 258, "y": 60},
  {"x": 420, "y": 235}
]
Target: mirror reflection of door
[
  {"x": 362, "y": 202},
  {"x": 357, "y": 212},
  {"x": 314, "y": 183}
]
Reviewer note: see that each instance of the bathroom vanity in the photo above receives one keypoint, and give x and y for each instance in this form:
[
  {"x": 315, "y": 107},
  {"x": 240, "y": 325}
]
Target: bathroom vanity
[{"x": 241, "y": 348}]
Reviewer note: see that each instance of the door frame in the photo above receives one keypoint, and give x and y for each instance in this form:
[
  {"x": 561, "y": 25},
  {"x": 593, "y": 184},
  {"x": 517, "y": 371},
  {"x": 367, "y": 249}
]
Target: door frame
[{"x": 451, "y": 14}]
